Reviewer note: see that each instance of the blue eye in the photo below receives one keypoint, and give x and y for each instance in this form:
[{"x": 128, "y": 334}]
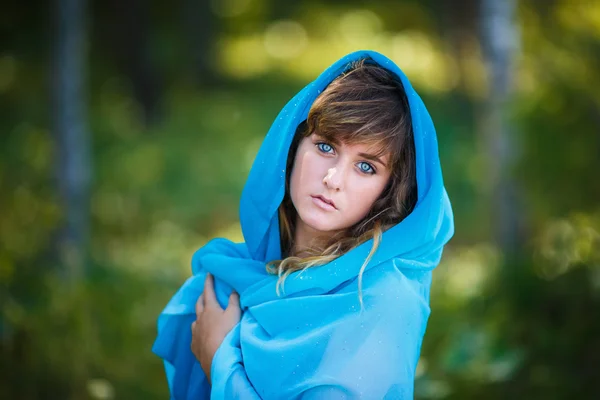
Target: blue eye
[
  {"x": 366, "y": 168},
  {"x": 324, "y": 148}
]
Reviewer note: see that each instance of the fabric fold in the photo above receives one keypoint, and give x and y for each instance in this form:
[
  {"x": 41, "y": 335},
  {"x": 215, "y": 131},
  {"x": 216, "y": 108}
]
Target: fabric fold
[{"x": 315, "y": 339}]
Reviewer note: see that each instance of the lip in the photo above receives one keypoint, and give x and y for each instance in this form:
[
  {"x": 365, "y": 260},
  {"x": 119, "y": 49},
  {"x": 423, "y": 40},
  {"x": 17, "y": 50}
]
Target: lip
[{"x": 324, "y": 203}]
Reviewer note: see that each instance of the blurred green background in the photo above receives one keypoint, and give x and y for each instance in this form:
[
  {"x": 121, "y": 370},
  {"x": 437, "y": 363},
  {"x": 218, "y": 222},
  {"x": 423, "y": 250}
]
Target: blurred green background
[{"x": 129, "y": 127}]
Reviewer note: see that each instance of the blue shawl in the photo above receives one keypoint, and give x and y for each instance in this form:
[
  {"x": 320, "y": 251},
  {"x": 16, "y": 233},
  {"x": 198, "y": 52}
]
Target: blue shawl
[{"x": 314, "y": 341}]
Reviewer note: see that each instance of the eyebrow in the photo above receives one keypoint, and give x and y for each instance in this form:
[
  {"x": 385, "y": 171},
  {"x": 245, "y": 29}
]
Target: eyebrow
[
  {"x": 368, "y": 156},
  {"x": 330, "y": 140},
  {"x": 372, "y": 158}
]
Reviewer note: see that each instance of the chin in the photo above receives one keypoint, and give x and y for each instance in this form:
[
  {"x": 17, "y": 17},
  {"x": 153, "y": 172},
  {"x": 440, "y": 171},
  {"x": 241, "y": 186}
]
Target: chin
[{"x": 319, "y": 222}]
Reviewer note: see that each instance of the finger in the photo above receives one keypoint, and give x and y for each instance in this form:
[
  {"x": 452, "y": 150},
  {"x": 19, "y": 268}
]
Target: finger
[
  {"x": 199, "y": 306},
  {"x": 209, "y": 291},
  {"x": 193, "y": 327},
  {"x": 233, "y": 307}
]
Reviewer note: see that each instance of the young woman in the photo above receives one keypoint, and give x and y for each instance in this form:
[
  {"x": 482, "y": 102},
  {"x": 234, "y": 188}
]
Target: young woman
[{"x": 345, "y": 216}]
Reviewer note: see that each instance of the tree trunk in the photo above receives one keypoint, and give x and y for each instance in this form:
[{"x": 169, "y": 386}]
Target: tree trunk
[
  {"x": 69, "y": 99},
  {"x": 130, "y": 40},
  {"x": 500, "y": 43},
  {"x": 199, "y": 30},
  {"x": 458, "y": 26},
  {"x": 69, "y": 117}
]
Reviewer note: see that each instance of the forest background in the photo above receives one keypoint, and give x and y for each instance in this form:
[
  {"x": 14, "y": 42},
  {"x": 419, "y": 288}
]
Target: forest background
[{"x": 129, "y": 127}]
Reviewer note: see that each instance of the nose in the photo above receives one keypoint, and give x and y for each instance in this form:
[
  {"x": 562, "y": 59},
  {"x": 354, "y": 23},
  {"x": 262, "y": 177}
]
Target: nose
[{"x": 333, "y": 179}]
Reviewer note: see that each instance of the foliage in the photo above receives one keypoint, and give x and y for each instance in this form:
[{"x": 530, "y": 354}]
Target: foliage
[{"x": 520, "y": 326}]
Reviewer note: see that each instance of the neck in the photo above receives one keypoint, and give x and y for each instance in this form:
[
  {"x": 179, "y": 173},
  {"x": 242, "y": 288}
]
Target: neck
[{"x": 305, "y": 238}]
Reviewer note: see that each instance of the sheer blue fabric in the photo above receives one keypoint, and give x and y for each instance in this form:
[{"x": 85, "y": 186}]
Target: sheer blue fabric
[{"x": 314, "y": 341}]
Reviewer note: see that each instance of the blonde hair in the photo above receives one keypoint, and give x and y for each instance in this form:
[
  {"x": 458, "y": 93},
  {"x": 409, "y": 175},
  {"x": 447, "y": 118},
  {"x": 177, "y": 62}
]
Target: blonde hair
[{"x": 365, "y": 105}]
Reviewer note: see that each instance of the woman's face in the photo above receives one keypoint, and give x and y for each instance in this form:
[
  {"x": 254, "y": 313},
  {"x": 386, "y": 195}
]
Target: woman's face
[{"x": 334, "y": 187}]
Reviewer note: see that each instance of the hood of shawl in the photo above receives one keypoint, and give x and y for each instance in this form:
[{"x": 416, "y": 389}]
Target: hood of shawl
[{"x": 429, "y": 226}]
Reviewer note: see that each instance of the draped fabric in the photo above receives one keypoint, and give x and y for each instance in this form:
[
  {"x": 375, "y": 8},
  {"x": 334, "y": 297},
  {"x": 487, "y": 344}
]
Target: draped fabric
[{"x": 314, "y": 340}]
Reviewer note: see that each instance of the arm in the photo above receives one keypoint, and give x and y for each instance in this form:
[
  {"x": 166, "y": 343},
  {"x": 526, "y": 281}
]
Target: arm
[
  {"x": 229, "y": 377},
  {"x": 212, "y": 324},
  {"x": 215, "y": 343},
  {"x": 375, "y": 356}
]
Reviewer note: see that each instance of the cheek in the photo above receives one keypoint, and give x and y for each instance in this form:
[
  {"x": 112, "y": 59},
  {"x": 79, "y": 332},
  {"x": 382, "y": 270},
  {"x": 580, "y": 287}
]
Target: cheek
[
  {"x": 294, "y": 178},
  {"x": 307, "y": 173},
  {"x": 366, "y": 194},
  {"x": 298, "y": 176}
]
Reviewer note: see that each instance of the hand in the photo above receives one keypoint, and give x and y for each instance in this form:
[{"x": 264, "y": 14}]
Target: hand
[{"x": 212, "y": 324}]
